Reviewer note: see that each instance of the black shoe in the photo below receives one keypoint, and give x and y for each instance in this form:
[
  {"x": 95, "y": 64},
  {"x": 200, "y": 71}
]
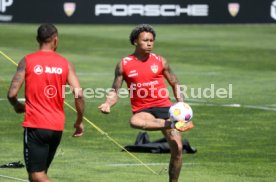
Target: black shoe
[
  {"x": 188, "y": 148},
  {"x": 13, "y": 165}
]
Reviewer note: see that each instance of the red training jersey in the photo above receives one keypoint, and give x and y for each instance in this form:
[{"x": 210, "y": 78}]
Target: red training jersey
[
  {"x": 145, "y": 82},
  {"x": 46, "y": 74}
]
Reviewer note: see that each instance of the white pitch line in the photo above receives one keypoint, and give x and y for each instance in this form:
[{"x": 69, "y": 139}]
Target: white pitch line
[
  {"x": 260, "y": 107},
  {"x": 149, "y": 164},
  {"x": 237, "y": 106},
  {"x": 126, "y": 165},
  {"x": 202, "y": 103},
  {"x": 10, "y": 177}
]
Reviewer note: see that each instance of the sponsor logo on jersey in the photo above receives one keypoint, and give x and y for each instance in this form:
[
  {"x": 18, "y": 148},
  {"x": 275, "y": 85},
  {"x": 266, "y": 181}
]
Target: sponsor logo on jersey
[
  {"x": 154, "y": 68},
  {"x": 233, "y": 9},
  {"x": 132, "y": 73},
  {"x": 38, "y": 69},
  {"x": 53, "y": 70},
  {"x": 69, "y": 8},
  {"x": 273, "y": 10},
  {"x": 144, "y": 84}
]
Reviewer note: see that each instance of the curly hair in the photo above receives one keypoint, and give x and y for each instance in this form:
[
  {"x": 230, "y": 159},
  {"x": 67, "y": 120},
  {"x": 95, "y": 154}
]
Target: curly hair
[
  {"x": 139, "y": 29},
  {"x": 45, "y": 32}
]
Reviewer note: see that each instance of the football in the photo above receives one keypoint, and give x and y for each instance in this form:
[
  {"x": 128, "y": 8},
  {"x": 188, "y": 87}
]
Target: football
[{"x": 181, "y": 111}]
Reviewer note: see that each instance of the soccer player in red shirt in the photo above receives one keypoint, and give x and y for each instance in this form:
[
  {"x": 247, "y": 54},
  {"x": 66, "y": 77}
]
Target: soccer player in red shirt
[
  {"x": 145, "y": 74},
  {"x": 45, "y": 74}
]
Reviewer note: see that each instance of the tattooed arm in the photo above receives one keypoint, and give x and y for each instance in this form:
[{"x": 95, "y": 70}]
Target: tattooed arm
[
  {"x": 112, "y": 96},
  {"x": 15, "y": 86},
  {"x": 172, "y": 80}
]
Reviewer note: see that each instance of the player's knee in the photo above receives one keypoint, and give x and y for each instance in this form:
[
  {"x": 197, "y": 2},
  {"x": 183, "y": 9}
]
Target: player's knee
[
  {"x": 38, "y": 177},
  {"x": 133, "y": 123},
  {"x": 34, "y": 178},
  {"x": 136, "y": 123}
]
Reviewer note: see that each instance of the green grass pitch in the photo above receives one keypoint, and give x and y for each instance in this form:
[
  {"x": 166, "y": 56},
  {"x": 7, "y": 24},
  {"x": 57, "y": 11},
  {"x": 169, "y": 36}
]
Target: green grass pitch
[{"x": 235, "y": 144}]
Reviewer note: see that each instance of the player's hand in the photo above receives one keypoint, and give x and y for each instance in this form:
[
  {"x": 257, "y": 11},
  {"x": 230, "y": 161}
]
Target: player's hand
[
  {"x": 104, "y": 108},
  {"x": 79, "y": 129},
  {"x": 19, "y": 108}
]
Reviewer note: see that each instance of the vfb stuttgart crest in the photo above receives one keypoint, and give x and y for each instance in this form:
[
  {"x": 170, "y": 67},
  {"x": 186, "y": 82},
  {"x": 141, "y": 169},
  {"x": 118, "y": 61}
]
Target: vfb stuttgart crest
[
  {"x": 233, "y": 9},
  {"x": 69, "y": 8},
  {"x": 154, "y": 68}
]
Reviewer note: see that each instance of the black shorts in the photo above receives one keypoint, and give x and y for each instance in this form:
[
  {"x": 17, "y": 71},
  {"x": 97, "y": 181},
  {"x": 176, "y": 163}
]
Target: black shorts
[
  {"x": 157, "y": 112},
  {"x": 40, "y": 146}
]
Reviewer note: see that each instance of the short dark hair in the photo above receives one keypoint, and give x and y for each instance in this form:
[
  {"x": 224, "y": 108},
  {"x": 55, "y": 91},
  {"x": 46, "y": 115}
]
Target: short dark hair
[
  {"x": 45, "y": 32},
  {"x": 139, "y": 29}
]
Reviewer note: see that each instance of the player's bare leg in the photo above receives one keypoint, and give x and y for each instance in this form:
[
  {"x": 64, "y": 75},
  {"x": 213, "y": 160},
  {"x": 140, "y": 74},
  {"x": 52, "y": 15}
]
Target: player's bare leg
[
  {"x": 39, "y": 177},
  {"x": 147, "y": 121},
  {"x": 175, "y": 141}
]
